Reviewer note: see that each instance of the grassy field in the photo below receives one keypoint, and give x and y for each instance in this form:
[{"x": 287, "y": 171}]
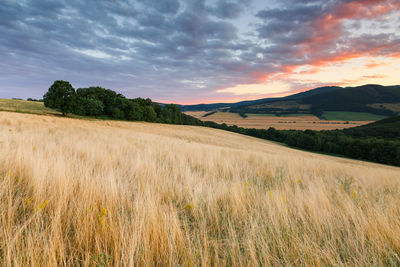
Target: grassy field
[
  {"x": 25, "y": 106},
  {"x": 352, "y": 116},
  {"x": 281, "y": 116},
  {"x": 296, "y": 115},
  {"x": 390, "y": 106},
  {"x": 260, "y": 115},
  {"x": 287, "y": 122},
  {"x": 86, "y": 193},
  {"x": 197, "y": 114}
]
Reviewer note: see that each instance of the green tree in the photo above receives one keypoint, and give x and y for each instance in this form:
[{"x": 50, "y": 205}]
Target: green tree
[
  {"x": 133, "y": 111},
  {"x": 93, "y": 107},
  {"x": 60, "y": 96},
  {"x": 149, "y": 114}
]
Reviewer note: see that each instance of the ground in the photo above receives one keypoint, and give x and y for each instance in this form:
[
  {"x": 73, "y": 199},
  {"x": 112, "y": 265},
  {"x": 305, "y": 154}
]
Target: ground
[
  {"x": 24, "y": 106},
  {"x": 85, "y": 193},
  {"x": 352, "y": 116},
  {"x": 286, "y": 122}
]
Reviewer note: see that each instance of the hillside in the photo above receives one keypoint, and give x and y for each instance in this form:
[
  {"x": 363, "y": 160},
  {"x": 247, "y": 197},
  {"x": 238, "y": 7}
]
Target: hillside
[
  {"x": 387, "y": 128},
  {"x": 33, "y": 107},
  {"x": 366, "y": 99},
  {"x": 77, "y": 192},
  {"x": 355, "y": 98},
  {"x": 215, "y": 106}
]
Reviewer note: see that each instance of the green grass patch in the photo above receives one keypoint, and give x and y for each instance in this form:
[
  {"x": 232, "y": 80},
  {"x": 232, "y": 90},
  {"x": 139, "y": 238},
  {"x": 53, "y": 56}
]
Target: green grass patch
[
  {"x": 296, "y": 115},
  {"x": 24, "y": 106},
  {"x": 274, "y": 115},
  {"x": 351, "y": 116},
  {"x": 260, "y": 115}
]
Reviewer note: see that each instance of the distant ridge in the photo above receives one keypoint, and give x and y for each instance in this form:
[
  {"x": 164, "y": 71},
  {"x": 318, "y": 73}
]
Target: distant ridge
[
  {"x": 371, "y": 98},
  {"x": 213, "y": 106}
]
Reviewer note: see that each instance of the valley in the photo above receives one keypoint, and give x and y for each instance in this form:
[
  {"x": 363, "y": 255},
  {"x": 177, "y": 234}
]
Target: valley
[{"x": 284, "y": 122}]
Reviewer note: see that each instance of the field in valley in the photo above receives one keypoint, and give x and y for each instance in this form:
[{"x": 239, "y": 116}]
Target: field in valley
[
  {"x": 348, "y": 116},
  {"x": 109, "y": 193},
  {"x": 287, "y": 122}
]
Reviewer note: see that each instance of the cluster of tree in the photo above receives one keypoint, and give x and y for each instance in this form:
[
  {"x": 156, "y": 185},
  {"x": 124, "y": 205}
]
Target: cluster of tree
[
  {"x": 97, "y": 101},
  {"x": 370, "y": 148},
  {"x": 388, "y": 128},
  {"x": 34, "y": 100},
  {"x": 105, "y": 103}
]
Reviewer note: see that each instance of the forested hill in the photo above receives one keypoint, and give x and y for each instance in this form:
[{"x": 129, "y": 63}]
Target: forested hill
[
  {"x": 376, "y": 99},
  {"x": 215, "y": 106},
  {"x": 360, "y": 98},
  {"x": 387, "y": 128},
  {"x": 372, "y": 98}
]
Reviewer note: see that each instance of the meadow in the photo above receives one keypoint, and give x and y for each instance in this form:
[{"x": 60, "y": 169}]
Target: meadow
[
  {"x": 352, "y": 116},
  {"x": 19, "y": 105},
  {"x": 111, "y": 193},
  {"x": 286, "y": 122}
]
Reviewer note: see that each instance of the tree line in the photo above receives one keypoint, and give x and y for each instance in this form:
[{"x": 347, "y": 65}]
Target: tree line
[
  {"x": 375, "y": 149},
  {"x": 105, "y": 103}
]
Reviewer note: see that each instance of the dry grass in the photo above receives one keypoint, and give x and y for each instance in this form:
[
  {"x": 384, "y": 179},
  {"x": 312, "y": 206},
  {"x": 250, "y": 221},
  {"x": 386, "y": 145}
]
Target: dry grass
[
  {"x": 24, "y": 106},
  {"x": 87, "y": 193},
  {"x": 196, "y": 114},
  {"x": 282, "y": 123}
]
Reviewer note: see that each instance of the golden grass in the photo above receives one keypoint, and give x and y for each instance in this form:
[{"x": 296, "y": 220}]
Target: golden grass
[
  {"x": 24, "y": 106},
  {"x": 281, "y": 123},
  {"x": 87, "y": 193},
  {"x": 196, "y": 114}
]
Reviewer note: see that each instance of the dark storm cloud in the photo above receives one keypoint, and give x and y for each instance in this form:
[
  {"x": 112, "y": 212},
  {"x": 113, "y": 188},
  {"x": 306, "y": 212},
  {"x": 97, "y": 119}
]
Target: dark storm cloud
[
  {"x": 136, "y": 44},
  {"x": 170, "y": 49},
  {"x": 228, "y": 9},
  {"x": 164, "y": 7}
]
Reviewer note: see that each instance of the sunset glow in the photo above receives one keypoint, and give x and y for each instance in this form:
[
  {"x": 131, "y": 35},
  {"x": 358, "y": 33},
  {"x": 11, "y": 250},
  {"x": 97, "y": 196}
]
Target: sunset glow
[{"x": 198, "y": 51}]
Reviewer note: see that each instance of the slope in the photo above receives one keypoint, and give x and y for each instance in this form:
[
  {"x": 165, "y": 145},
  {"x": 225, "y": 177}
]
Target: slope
[
  {"x": 86, "y": 193},
  {"x": 216, "y": 106},
  {"x": 387, "y": 128},
  {"x": 367, "y": 98}
]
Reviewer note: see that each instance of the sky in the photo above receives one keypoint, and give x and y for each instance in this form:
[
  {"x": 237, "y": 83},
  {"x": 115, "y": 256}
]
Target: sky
[{"x": 197, "y": 51}]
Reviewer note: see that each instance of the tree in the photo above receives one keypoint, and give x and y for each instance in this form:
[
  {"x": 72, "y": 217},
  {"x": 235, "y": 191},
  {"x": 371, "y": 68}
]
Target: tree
[
  {"x": 93, "y": 107},
  {"x": 149, "y": 114},
  {"x": 60, "y": 96},
  {"x": 133, "y": 111}
]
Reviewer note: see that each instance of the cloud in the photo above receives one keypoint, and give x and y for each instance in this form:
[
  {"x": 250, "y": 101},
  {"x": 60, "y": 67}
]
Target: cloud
[
  {"x": 264, "y": 89},
  {"x": 225, "y": 9},
  {"x": 313, "y": 33},
  {"x": 148, "y": 48}
]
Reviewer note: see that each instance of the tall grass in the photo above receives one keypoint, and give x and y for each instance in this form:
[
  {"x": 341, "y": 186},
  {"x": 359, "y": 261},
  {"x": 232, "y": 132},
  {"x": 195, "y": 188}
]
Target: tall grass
[{"x": 88, "y": 193}]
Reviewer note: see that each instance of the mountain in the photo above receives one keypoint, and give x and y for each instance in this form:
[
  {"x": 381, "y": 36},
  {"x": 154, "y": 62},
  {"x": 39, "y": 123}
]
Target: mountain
[
  {"x": 376, "y": 99},
  {"x": 216, "y": 106},
  {"x": 313, "y": 92},
  {"x": 355, "y": 98},
  {"x": 372, "y": 98}
]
